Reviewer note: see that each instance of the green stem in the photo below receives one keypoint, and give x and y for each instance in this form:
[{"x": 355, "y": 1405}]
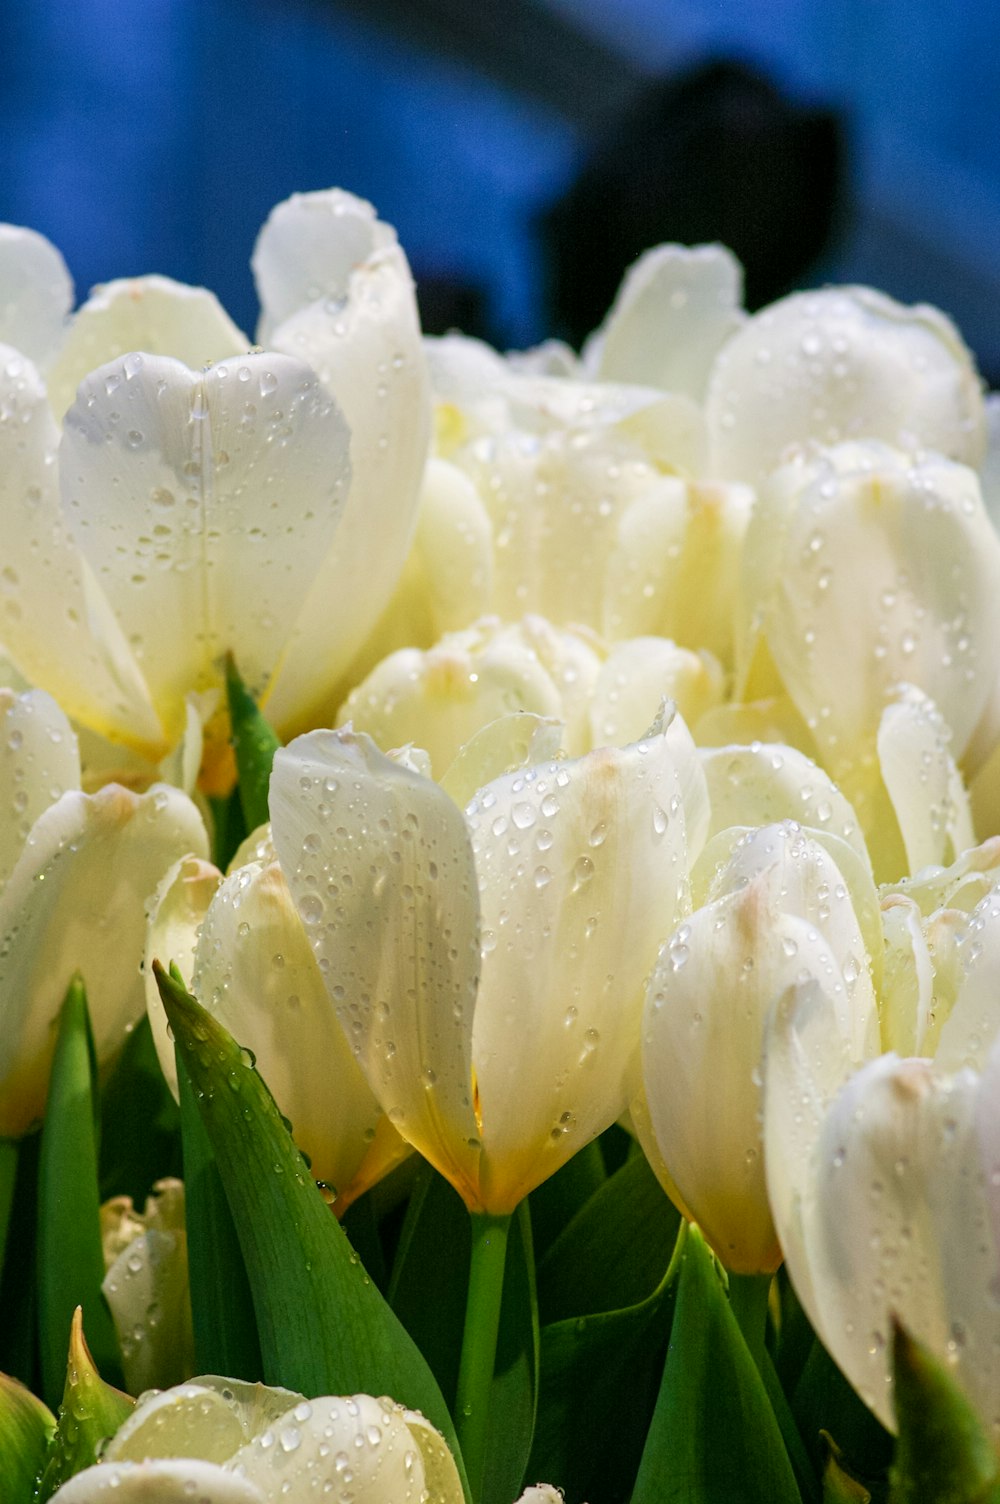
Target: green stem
[
  {"x": 748, "y": 1295},
  {"x": 479, "y": 1342}
]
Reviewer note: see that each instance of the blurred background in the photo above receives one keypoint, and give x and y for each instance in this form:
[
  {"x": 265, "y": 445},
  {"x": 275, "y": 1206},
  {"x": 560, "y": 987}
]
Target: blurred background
[{"x": 526, "y": 150}]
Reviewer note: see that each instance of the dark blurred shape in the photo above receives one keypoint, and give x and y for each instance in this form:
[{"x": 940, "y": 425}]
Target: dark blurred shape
[
  {"x": 447, "y": 304},
  {"x": 717, "y": 154}
]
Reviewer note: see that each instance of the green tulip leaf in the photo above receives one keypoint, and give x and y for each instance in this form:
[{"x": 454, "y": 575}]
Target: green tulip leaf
[
  {"x": 942, "y": 1451},
  {"x": 839, "y": 1484},
  {"x": 823, "y": 1400},
  {"x": 600, "y": 1375},
  {"x": 254, "y": 743},
  {"x": 140, "y": 1125},
  {"x": 713, "y": 1437},
  {"x": 225, "y": 1327},
  {"x": 90, "y": 1413},
  {"x": 323, "y": 1326},
  {"x": 557, "y": 1200},
  {"x": 18, "y": 1283},
  {"x": 70, "y": 1256},
  {"x": 25, "y": 1428},
  {"x": 614, "y": 1251}
]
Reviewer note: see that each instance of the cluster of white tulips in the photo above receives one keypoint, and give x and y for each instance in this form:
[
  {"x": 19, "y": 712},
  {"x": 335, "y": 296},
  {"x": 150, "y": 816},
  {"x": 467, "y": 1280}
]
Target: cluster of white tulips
[{"x": 640, "y": 776}]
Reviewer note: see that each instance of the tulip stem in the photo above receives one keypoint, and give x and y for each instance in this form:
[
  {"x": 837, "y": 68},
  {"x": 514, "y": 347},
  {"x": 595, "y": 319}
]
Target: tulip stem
[
  {"x": 479, "y": 1342},
  {"x": 748, "y": 1296}
]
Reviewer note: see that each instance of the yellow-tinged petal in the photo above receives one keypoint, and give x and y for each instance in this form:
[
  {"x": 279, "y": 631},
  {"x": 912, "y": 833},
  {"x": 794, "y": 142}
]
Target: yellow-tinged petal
[
  {"x": 842, "y": 363},
  {"x": 336, "y": 291},
  {"x": 176, "y": 913},
  {"x": 205, "y": 504},
  {"x": 637, "y": 676},
  {"x": 924, "y": 786},
  {"x": 582, "y": 868},
  {"x": 676, "y": 307},
  {"x": 147, "y": 1289},
  {"x": 255, "y": 971},
  {"x": 153, "y": 314},
  {"x": 39, "y": 762},
  {"x": 379, "y": 864},
  {"x": 973, "y": 1023},
  {"x": 510, "y": 742},
  {"x": 907, "y": 992},
  {"x": 75, "y": 901}
]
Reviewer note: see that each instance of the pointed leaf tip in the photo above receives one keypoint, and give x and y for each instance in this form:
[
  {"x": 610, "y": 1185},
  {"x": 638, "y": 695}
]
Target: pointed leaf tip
[
  {"x": 943, "y": 1452},
  {"x": 91, "y": 1411}
]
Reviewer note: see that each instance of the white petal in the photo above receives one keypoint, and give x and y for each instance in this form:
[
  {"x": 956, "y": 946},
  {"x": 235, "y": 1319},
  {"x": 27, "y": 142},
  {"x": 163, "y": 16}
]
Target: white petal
[
  {"x": 53, "y": 620},
  {"x": 39, "y": 762},
  {"x": 974, "y": 1021},
  {"x": 842, "y": 363},
  {"x": 307, "y": 1451},
  {"x": 205, "y": 504},
  {"x": 164, "y": 1482},
  {"x": 441, "y": 698},
  {"x": 920, "y": 777},
  {"x": 76, "y": 901},
  {"x": 676, "y": 307},
  {"x": 870, "y": 571},
  {"x": 510, "y": 742},
  {"x": 907, "y": 991},
  {"x": 148, "y": 1293},
  {"x": 675, "y": 565},
  {"x": 582, "y": 868},
  {"x": 381, "y": 870},
  {"x": 638, "y": 675},
  {"x": 897, "y": 1223},
  {"x": 153, "y": 314},
  {"x": 177, "y": 912},
  {"x": 759, "y": 785},
  {"x": 36, "y": 293},
  {"x": 702, "y": 1037},
  {"x": 190, "y": 1420},
  {"x": 337, "y": 292},
  {"x": 255, "y": 971}
]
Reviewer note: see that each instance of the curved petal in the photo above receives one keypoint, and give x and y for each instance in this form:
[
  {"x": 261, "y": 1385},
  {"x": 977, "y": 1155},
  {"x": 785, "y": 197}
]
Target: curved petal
[
  {"x": 502, "y": 746},
  {"x": 176, "y": 914},
  {"x": 637, "y": 676},
  {"x": 37, "y": 293},
  {"x": 908, "y": 982},
  {"x": 189, "y": 1420},
  {"x": 974, "y": 1021},
  {"x": 674, "y": 567},
  {"x": 439, "y": 699},
  {"x": 380, "y": 867},
  {"x": 310, "y": 1449},
  {"x": 173, "y": 1481},
  {"x": 53, "y": 620},
  {"x": 153, "y": 314},
  {"x": 582, "y": 869},
  {"x": 254, "y": 969},
  {"x": 842, "y": 363},
  {"x": 897, "y": 1223},
  {"x": 923, "y": 784},
  {"x": 148, "y": 1293},
  {"x": 759, "y": 785},
  {"x": 675, "y": 309},
  {"x": 75, "y": 901},
  {"x": 39, "y": 762},
  {"x": 205, "y": 504},
  {"x": 337, "y": 292},
  {"x": 888, "y": 573}
]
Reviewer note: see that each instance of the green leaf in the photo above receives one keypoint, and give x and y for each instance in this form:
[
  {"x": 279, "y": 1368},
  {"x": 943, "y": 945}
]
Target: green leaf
[
  {"x": 713, "y": 1438},
  {"x": 614, "y": 1251},
  {"x": 599, "y": 1380},
  {"x": 70, "y": 1256},
  {"x": 8, "y": 1179},
  {"x": 140, "y": 1124},
  {"x": 91, "y": 1411},
  {"x": 430, "y": 1275},
  {"x": 25, "y": 1427},
  {"x": 839, "y": 1485},
  {"x": 514, "y": 1395},
  {"x": 18, "y": 1285},
  {"x": 942, "y": 1452},
  {"x": 323, "y": 1326},
  {"x": 254, "y": 743},
  {"x": 225, "y": 1326}
]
